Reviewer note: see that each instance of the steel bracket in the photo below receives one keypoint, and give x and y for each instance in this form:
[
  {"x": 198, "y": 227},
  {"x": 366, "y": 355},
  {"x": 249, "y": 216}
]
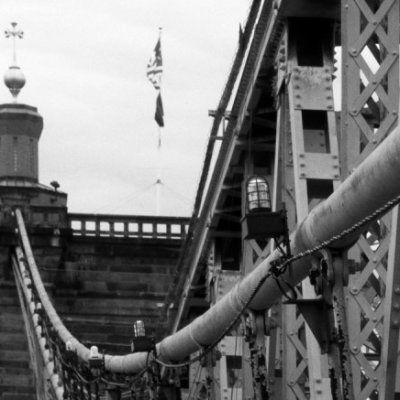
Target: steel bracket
[{"x": 316, "y": 314}]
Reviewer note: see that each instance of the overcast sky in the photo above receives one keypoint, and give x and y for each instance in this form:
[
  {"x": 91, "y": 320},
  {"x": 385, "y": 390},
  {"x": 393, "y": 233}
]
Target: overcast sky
[{"x": 85, "y": 65}]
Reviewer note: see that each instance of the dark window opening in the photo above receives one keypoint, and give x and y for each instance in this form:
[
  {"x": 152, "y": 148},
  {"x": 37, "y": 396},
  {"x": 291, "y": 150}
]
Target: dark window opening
[
  {"x": 231, "y": 251},
  {"x": 319, "y": 188},
  {"x": 310, "y": 35},
  {"x": 315, "y": 127},
  {"x": 234, "y": 371}
]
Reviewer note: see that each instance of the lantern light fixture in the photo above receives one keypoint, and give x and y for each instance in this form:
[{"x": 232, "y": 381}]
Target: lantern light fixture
[
  {"x": 138, "y": 329},
  {"x": 95, "y": 359},
  {"x": 263, "y": 223},
  {"x": 141, "y": 342},
  {"x": 70, "y": 354},
  {"x": 258, "y": 194}
]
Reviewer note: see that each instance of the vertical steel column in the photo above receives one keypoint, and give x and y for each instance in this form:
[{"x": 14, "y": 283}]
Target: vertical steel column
[
  {"x": 283, "y": 191},
  {"x": 197, "y": 381},
  {"x": 391, "y": 321},
  {"x": 230, "y": 346},
  {"x": 253, "y": 253},
  {"x": 370, "y": 100},
  {"x": 282, "y": 360},
  {"x": 250, "y": 249},
  {"x": 309, "y": 172},
  {"x": 221, "y": 282},
  {"x": 315, "y": 163},
  {"x": 231, "y": 379}
]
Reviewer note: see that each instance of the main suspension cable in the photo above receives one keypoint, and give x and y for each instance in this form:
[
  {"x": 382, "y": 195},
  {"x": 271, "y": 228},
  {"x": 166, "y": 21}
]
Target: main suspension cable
[{"x": 277, "y": 270}]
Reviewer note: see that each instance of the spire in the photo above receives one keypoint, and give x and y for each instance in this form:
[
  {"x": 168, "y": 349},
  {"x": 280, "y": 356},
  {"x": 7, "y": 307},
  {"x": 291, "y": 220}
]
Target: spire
[{"x": 14, "y": 78}]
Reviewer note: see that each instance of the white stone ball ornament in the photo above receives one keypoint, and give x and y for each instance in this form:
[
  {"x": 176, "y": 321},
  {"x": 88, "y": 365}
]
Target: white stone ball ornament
[{"x": 14, "y": 79}]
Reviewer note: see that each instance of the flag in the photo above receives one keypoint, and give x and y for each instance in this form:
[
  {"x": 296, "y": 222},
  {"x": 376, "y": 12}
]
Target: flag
[
  {"x": 155, "y": 66},
  {"x": 159, "y": 115}
]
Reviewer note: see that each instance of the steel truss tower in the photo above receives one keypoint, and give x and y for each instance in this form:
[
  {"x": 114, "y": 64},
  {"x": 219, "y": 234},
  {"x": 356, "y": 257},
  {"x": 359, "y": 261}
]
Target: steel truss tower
[{"x": 340, "y": 338}]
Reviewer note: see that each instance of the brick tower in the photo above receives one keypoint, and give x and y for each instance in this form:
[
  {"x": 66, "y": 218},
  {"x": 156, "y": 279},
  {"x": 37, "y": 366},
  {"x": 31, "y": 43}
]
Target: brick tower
[{"x": 20, "y": 128}]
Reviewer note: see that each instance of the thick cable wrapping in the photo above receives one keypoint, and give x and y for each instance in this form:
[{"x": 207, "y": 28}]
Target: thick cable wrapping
[
  {"x": 23, "y": 285},
  {"x": 81, "y": 350}
]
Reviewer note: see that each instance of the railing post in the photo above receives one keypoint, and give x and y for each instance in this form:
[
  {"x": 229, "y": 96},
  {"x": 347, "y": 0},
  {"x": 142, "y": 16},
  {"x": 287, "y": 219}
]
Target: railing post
[
  {"x": 140, "y": 229},
  {"x": 126, "y": 229},
  {"x": 97, "y": 227},
  {"x": 168, "y": 231},
  {"x": 83, "y": 227},
  {"x": 111, "y": 224}
]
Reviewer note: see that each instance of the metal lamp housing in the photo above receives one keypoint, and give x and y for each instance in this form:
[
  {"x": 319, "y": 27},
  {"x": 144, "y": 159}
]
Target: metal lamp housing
[
  {"x": 262, "y": 223},
  {"x": 141, "y": 342},
  {"x": 95, "y": 360},
  {"x": 258, "y": 194}
]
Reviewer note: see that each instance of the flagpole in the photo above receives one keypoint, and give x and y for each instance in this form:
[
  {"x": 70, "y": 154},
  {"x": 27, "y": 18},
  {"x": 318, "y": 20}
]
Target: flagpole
[
  {"x": 154, "y": 74},
  {"x": 158, "y": 181},
  {"x": 159, "y": 159}
]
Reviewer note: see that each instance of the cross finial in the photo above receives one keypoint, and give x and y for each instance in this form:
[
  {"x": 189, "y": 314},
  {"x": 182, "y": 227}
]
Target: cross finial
[
  {"x": 14, "y": 33},
  {"x": 14, "y": 77}
]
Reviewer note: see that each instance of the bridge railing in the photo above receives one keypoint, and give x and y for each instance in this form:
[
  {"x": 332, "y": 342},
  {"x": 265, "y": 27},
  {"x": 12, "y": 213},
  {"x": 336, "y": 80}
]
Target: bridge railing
[
  {"x": 37, "y": 328},
  {"x": 146, "y": 227}
]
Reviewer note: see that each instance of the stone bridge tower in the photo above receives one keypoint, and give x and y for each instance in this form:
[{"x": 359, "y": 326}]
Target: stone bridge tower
[
  {"x": 20, "y": 128},
  {"x": 102, "y": 272}
]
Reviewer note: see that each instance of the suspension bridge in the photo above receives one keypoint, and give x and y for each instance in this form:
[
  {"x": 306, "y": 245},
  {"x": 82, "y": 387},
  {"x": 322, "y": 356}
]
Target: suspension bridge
[{"x": 284, "y": 283}]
